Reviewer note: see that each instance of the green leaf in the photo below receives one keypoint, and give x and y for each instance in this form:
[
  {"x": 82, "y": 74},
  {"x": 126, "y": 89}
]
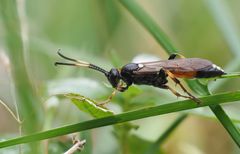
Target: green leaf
[{"x": 89, "y": 106}]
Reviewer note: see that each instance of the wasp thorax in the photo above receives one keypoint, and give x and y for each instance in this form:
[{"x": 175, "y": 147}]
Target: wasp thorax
[{"x": 114, "y": 77}]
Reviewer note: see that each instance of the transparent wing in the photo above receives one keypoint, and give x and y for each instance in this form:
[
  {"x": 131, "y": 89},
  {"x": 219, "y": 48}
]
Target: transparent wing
[{"x": 176, "y": 66}]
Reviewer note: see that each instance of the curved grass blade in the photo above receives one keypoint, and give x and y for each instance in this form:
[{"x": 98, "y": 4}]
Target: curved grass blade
[
  {"x": 124, "y": 117},
  {"x": 149, "y": 24},
  {"x": 205, "y": 81},
  {"x": 226, "y": 122}
]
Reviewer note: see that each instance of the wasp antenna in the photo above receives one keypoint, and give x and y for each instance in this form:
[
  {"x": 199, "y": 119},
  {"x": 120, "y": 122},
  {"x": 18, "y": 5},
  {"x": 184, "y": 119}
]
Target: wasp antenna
[
  {"x": 97, "y": 68},
  {"x": 65, "y": 57},
  {"x": 72, "y": 64},
  {"x": 80, "y": 63},
  {"x": 61, "y": 63}
]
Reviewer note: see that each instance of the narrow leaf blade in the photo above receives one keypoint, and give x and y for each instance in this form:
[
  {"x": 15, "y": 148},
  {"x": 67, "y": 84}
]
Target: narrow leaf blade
[{"x": 89, "y": 106}]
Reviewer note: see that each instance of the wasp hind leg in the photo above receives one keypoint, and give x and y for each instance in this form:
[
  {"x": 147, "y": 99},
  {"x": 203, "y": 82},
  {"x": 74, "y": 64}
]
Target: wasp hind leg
[
  {"x": 176, "y": 93},
  {"x": 161, "y": 83},
  {"x": 182, "y": 87},
  {"x": 174, "y": 55}
]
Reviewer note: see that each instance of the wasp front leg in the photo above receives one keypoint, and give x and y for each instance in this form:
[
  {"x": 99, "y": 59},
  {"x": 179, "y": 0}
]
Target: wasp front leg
[
  {"x": 122, "y": 86},
  {"x": 108, "y": 99},
  {"x": 182, "y": 87}
]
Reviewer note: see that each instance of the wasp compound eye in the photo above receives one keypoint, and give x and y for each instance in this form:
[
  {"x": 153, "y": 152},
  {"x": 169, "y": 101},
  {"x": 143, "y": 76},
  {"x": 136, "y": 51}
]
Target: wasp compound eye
[{"x": 114, "y": 77}]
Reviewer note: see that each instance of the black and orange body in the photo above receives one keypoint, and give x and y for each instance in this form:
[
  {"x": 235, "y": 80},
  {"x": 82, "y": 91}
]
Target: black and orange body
[
  {"x": 153, "y": 73},
  {"x": 156, "y": 73}
]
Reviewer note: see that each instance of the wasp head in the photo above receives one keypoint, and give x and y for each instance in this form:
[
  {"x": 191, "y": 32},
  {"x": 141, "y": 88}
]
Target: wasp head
[{"x": 114, "y": 77}]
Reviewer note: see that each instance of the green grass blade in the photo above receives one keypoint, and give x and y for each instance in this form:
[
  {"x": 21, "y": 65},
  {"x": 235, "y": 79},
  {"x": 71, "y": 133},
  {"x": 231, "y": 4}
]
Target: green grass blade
[
  {"x": 124, "y": 117},
  {"x": 30, "y": 106},
  {"x": 159, "y": 35},
  {"x": 149, "y": 24},
  {"x": 229, "y": 75},
  {"x": 226, "y": 122},
  {"x": 31, "y": 111},
  {"x": 155, "y": 147}
]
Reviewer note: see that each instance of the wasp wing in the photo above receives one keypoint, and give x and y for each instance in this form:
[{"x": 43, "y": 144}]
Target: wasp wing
[{"x": 185, "y": 67}]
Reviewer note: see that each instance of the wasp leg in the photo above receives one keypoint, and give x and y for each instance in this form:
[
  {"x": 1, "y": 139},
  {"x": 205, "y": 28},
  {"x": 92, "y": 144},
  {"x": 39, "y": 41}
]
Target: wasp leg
[
  {"x": 178, "y": 94},
  {"x": 182, "y": 87},
  {"x": 108, "y": 99},
  {"x": 174, "y": 55},
  {"x": 162, "y": 78},
  {"x": 161, "y": 83}
]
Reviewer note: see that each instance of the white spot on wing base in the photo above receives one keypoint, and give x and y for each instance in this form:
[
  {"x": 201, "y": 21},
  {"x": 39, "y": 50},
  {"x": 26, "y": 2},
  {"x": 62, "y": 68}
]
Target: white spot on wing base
[{"x": 140, "y": 65}]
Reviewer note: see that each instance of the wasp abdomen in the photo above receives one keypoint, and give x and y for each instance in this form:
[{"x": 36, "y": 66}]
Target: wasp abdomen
[{"x": 211, "y": 71}]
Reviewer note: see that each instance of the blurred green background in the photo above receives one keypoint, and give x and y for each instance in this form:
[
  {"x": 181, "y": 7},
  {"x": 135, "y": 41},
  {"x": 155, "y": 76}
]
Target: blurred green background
[{"x": 106, "y": 34}]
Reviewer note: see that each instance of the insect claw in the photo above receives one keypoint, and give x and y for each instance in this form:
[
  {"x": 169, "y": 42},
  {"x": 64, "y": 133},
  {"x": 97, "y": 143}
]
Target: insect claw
[{"x": 199, "y": 101}]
